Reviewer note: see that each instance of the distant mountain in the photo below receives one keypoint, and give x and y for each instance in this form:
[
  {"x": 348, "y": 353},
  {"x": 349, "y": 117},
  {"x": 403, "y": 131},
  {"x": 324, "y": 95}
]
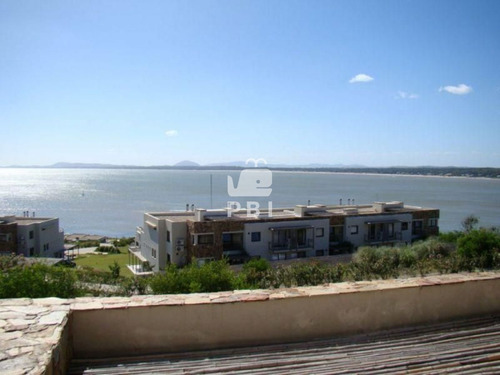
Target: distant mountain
[
  {"x": 228, "y": 164},
  {"x": 186, "y": 163},
  {"x": 263, "y": 165},
  {"x": 84, "y": 165}
]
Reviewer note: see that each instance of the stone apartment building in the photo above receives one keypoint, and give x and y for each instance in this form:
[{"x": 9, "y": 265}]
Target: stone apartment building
[
  {"x": 282, "y": 233},
  {"x": 31, "y": 237}
]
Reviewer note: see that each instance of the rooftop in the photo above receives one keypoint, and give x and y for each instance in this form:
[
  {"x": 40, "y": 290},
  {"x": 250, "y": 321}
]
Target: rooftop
[
  {"x": 309, "y": 211},
  {"x": 20, "y": 220}
]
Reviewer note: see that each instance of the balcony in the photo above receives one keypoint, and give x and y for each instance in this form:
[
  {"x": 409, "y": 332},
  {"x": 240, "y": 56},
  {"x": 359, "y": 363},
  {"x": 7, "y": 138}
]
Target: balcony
[
  {"x": 383, "y": 237},
  {"x": 292, "y": 245},
  {"x": 336, "y": 238},
  {"x": 137, "y": 263}
]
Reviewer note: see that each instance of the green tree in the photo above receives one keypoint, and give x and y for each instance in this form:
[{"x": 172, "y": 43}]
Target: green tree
[
  {"x": 481, "y": 246},
  {"x": 115, "y": 270},
  {"x": 470, "y": 223}
]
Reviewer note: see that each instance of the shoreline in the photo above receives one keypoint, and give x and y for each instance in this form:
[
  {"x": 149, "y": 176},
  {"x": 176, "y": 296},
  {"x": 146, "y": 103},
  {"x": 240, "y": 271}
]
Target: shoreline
[
  {"x": 272, "y": 169},
  {"x": 387, "y": 174}
]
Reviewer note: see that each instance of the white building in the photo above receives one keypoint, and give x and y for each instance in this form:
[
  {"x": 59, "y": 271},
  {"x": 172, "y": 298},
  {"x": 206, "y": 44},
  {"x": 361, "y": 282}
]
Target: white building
[
  {"x": 282, "y": 233},
  {"x": 30, "y": 236}
]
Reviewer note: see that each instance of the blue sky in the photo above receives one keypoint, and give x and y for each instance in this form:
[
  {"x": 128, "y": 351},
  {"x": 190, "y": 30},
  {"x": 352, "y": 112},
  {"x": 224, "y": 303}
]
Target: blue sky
[{"x": 378, "y": 83}]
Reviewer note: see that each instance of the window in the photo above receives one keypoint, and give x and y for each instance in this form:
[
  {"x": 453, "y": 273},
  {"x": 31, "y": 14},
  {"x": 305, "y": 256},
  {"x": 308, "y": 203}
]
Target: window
[
  {"x": 45, "y": 247},
  {"x": 417, "y": 227},
  {"x": 433, "y": 222},
  {"x": 168, "y": 236},
  {"x": 32, "y": 251},
  {"x": 320, "y": 253},
  {"x": 404, "y": 225},
  {"x": 205, "y": 239},
  {"x": 153, "y": 253},
  {"x": 320, "y": 232},
  {"x": 32, "y": 234},
  {"x": 5, "y": 237},
  {"x": 354, "y": 229},
  {"x": 255, "y": 236}
]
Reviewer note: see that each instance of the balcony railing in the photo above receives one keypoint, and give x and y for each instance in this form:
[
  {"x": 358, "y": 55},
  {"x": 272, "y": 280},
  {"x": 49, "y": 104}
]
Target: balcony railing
[
  {"x": 336, "y": 238},
  {"x": 292, "y": 245},
  {"x": 383, "y": 237}
]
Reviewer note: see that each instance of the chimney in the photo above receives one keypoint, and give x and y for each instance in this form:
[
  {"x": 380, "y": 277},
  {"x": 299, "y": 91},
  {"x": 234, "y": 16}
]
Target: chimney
[
  {"x": 300, "y": 210},
  {"x": 199, "y": 214}
]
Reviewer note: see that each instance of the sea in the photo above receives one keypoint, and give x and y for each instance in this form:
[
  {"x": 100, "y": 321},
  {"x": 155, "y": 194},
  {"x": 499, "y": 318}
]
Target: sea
[{"x": 112, "y": 202}]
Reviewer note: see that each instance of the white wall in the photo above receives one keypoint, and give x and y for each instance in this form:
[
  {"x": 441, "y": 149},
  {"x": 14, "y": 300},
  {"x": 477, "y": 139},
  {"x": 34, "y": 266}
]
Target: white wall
[
  {"x": 178, "y": 231},
  {"x": 150, "y": 241},
  {"x": 45, "y": 232}
]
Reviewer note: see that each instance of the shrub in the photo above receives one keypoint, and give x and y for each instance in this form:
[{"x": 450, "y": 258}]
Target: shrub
[
  {"x": 108, "y": 249},
  {"x": 38, "y": 281},
  {"x": 481, "y": 247},
  {"x": 124, "y": 241},
  {"x": 115, "y": 270},
  {"x": 11, "y": 260},
  {"x": 311, "y": 273},
  {"x": 213, "y": 276},
  {"x": 255, "y": 274},
  {"x": 450, "y": 237},
  {"x": 375, "y": 262}
]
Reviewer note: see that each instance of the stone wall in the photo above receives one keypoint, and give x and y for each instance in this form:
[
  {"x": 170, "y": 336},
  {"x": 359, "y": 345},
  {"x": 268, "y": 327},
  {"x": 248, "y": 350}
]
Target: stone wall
[
  {"x": 9, "y": 229},
  {"x": 40, "y": 336},
  {"x": 160, "y": 324}
]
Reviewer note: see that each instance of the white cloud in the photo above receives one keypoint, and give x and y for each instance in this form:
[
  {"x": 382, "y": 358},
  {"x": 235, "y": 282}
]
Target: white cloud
[
  {"x": 461, "y": 89},
  {"x": 171, "y": 133},
  {"x": 406, "y": 95},
  {"x": 361, "y": 78}
]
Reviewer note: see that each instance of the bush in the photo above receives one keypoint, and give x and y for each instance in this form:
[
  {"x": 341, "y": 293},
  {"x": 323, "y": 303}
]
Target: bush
[
  {"x": 481, "y": 247},
  {"x": 11, "y": 260},
  {"x": 134, "y": 286},
  {"x": 115, "y": 270},
  {"x": 255, "y": 274},
  {"x": 450, "y": 237},
  {"x": 213, "y": 276},
  {"x": 38, "y": 281},
  {"x": 376, "y": 262},
  {"x": 124, "y": 241},
  {"x": 108, "y": 249}
]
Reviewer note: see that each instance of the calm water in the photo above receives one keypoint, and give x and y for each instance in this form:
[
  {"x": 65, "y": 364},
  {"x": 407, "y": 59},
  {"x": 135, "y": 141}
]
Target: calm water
[{"x": 112, "y": 202}]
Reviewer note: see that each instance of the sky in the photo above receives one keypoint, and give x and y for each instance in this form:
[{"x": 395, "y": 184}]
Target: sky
[{"x": 374, "y": 83}]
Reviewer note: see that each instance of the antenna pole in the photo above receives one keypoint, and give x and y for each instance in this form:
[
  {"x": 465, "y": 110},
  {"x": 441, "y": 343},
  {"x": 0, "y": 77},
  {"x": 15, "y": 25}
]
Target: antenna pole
[{"x": 211, "y": 192}]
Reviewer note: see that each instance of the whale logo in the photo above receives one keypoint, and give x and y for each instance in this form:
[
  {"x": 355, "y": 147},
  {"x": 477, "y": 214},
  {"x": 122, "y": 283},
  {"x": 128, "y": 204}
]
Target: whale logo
[{"x": 252, "y": 182}]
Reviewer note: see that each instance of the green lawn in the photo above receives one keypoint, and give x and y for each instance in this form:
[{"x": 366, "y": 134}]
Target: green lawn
[{"x": 102, "y": 262}]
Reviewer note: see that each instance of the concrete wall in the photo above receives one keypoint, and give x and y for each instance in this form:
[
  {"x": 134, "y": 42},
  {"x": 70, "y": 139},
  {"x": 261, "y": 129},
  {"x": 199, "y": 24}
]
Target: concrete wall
[
  {"x": 8, "y": 237},
  {"x": 219, "y": 320}
]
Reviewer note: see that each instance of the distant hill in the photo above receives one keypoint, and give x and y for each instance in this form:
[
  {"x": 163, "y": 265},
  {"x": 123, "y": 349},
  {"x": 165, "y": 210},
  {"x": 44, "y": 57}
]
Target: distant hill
[{"x": 186, "y": 163}]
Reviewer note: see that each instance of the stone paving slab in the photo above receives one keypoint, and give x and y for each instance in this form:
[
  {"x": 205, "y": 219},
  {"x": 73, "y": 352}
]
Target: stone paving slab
[{"x": 31, "y": 329}]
